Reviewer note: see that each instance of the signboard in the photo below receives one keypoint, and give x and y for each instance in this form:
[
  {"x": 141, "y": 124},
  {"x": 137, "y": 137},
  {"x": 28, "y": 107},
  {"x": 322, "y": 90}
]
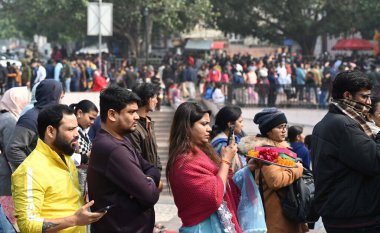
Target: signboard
[
  {"x": 288, "y": 42},
  {"x": 99, "y": 20}
]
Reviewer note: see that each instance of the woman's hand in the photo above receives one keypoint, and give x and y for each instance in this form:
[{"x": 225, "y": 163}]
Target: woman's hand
[
  {"x": 253, "y": 164},
  {"x": 229, "y": 152}
]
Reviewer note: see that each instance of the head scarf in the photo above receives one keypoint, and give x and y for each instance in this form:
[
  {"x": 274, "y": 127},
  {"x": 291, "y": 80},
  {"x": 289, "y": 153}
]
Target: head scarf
[{"x": 14, "y": 100}]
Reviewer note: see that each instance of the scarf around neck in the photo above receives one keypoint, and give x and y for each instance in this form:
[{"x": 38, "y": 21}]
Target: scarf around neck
[{"x": 355, "y": 111}]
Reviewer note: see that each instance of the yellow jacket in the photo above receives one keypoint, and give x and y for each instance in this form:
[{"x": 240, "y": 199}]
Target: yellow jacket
[{"x": 43, "y": 186}]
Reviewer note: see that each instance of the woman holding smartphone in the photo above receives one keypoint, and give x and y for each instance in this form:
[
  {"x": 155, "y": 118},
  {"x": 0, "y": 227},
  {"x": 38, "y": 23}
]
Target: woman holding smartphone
[
  {"x": 198, "y": 177},
  {"x": 228, "y": 123}
]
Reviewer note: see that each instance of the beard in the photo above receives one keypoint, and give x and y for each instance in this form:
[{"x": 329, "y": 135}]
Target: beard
[{"x": 65, "y": 147}]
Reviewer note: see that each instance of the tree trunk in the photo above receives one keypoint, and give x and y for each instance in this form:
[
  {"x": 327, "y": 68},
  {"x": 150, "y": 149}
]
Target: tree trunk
[
  {"x": 148, "y": 28},
  {"x": 307, "y": 44}
]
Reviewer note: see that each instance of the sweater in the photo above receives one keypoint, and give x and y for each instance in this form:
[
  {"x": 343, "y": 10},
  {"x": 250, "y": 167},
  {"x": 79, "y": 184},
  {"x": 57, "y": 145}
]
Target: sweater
[
  {"x": 197, "y": 189},
  {"x": 118, "y": 176}
]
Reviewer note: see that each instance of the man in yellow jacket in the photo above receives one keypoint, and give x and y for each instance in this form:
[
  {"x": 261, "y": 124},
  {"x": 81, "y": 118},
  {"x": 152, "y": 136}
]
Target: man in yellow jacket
[{"x": 45, "y": 186}]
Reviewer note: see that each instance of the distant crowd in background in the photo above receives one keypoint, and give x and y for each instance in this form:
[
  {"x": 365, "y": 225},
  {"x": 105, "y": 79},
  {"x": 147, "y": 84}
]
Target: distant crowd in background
[{"x": 237, "y": 79}]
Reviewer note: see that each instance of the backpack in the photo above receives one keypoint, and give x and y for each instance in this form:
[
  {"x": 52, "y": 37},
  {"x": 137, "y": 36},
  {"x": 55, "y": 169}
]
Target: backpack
[{"x": 297, "y": 204}]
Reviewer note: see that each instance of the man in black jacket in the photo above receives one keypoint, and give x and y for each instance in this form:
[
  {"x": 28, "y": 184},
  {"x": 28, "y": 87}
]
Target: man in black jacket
[{"x": 346, "y": 159}]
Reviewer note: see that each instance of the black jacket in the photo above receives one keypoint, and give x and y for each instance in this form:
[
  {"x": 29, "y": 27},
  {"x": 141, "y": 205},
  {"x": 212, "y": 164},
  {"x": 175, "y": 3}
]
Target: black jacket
[{"x": 346, "y": 166}]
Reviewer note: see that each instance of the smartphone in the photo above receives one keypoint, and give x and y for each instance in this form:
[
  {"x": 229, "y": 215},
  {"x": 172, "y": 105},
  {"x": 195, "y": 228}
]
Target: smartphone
[
  {"x": 231, "y": 135},
  {"x": 105, "y": 209}
]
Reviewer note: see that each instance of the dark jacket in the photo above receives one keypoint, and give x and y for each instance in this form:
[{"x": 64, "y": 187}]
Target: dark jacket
[
  {"x": 346, "y": 166},
  {"x": 144, "y": 140},
  {"x": 117, "y": 176},
  {"x": 24, "y": 137},
  {"x": 3, "y": 75}
]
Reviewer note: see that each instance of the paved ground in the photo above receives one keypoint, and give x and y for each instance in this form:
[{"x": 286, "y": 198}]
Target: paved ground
[{"x": 166, "y": 211}]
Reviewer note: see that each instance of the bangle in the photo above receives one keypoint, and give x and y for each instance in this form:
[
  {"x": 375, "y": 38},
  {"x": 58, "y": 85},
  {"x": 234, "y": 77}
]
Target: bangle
[{"x": 226, "y": 162}]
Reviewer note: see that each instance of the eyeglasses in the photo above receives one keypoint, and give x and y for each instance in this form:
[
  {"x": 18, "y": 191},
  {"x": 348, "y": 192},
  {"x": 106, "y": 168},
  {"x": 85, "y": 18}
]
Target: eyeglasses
[{"x": 282, "y": 127}]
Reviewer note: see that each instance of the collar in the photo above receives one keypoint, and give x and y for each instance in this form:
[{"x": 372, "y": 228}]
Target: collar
[
  {"x": 47, "y": 151},
  {"x": 145, "y": 121}
]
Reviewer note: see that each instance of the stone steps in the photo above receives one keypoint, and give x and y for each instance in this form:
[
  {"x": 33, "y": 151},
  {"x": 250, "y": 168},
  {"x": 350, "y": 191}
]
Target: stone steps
[{"x": 162, "y": 123}]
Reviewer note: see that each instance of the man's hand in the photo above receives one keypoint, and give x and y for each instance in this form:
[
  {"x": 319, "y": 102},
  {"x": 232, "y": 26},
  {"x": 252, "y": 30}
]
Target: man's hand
[
  {"x": 84, "y": 217},
  {"x": 81, "y": 218}
]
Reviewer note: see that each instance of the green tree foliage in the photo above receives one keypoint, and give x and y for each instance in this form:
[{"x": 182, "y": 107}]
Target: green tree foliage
[
  {"x": 64, "y": 20},
  {"x": 301, "y": 20},
  {"x": 59, "y": 20}
]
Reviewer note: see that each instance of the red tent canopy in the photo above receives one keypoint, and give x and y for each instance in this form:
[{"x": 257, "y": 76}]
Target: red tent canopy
[
  {"x": 217, "y": 45},
  {"x": 353, "y": 44}
]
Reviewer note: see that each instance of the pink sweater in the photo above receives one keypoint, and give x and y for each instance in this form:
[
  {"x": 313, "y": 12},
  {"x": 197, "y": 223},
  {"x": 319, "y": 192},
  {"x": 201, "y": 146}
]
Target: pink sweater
[{"x": 197, "y": 189}]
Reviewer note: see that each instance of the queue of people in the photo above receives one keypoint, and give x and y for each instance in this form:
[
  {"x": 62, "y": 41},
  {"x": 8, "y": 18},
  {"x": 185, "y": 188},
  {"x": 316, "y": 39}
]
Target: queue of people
[{"x": 215, "y": 186}]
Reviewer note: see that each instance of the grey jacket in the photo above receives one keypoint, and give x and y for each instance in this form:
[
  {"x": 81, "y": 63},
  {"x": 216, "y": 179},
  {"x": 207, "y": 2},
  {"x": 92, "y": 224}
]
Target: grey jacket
[{"x": 7, "y": 126}]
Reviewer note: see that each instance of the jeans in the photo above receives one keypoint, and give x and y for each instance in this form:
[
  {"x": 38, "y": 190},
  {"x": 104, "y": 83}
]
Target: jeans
[
  {"x": 67, "y": 85},
  {"x": 11, "y": 83},
  {"x": 299, "y": 90},
  {"x": 322, "y": 99}
]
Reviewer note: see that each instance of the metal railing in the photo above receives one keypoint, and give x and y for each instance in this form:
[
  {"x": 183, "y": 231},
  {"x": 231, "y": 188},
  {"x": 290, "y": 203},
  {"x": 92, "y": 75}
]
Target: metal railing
[{"x": 250, "y": 95}]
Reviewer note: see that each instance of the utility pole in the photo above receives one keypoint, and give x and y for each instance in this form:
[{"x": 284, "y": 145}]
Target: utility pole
[
  {"x": 146, "y": 13},
  {"x": 100, "y": 36}
]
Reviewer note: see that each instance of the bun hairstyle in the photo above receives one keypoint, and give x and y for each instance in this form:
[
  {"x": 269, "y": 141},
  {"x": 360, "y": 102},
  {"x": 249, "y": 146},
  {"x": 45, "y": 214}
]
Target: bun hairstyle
[
  {"x": 225, "y": 115},
  {"x": 85, "y": 105}
]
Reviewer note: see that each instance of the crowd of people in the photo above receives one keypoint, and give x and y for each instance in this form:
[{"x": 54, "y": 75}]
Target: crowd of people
[
  {"x": 239, "y": 78},
  {"x": 64, "y": 168}
]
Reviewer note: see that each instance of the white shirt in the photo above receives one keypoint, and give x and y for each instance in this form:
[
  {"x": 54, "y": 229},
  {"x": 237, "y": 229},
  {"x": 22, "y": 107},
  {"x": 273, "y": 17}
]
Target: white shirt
[{"x": 41, "y": 74}]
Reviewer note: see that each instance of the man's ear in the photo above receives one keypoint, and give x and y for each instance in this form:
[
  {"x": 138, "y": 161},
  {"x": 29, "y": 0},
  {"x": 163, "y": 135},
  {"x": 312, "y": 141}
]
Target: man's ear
[
  {"x": 50, "y": 132},
  {"x": 112, "y": 115},
  {"x": 347, "y": 95}
]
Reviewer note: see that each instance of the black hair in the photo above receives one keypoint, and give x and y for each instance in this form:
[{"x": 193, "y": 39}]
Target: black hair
[
  {"x": 85, "y": 105},
  {"x": 52, "y": 115},
  {"x": 186, "y": 115},
  {"x": 225, "y": 115},
  {"x": 351, "y": 81},
  {"x": 145, "y": 91},
  {"x": 115, "y": 98},
  {"x": 293, "y": 132},
  {"x": 308, "y": 141}
]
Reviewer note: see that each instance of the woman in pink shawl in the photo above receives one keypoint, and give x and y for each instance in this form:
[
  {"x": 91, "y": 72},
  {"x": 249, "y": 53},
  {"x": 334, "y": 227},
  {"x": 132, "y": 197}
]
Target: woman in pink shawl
[
  {"x": 11, "y": 105},
  {"x": 197, "y": 176}
]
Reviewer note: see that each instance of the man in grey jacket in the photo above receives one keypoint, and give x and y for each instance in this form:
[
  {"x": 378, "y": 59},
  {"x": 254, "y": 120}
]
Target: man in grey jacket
[{"x": 24, "y": 137}]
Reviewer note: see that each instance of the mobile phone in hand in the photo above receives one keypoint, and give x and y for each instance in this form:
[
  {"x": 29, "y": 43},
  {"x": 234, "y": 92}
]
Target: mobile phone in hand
[
  {"x": 104, "y": 209},
  {"x": 231, "y": 135}
]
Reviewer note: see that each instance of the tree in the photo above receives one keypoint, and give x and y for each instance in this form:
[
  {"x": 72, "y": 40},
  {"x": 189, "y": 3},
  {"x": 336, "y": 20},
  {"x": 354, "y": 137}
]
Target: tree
[
  {"x": 60, "y": 21},
  {"x": 300, "y": 20},
  {"x": 64, "y": 20},
  {"x": 171, "y": 16}
]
